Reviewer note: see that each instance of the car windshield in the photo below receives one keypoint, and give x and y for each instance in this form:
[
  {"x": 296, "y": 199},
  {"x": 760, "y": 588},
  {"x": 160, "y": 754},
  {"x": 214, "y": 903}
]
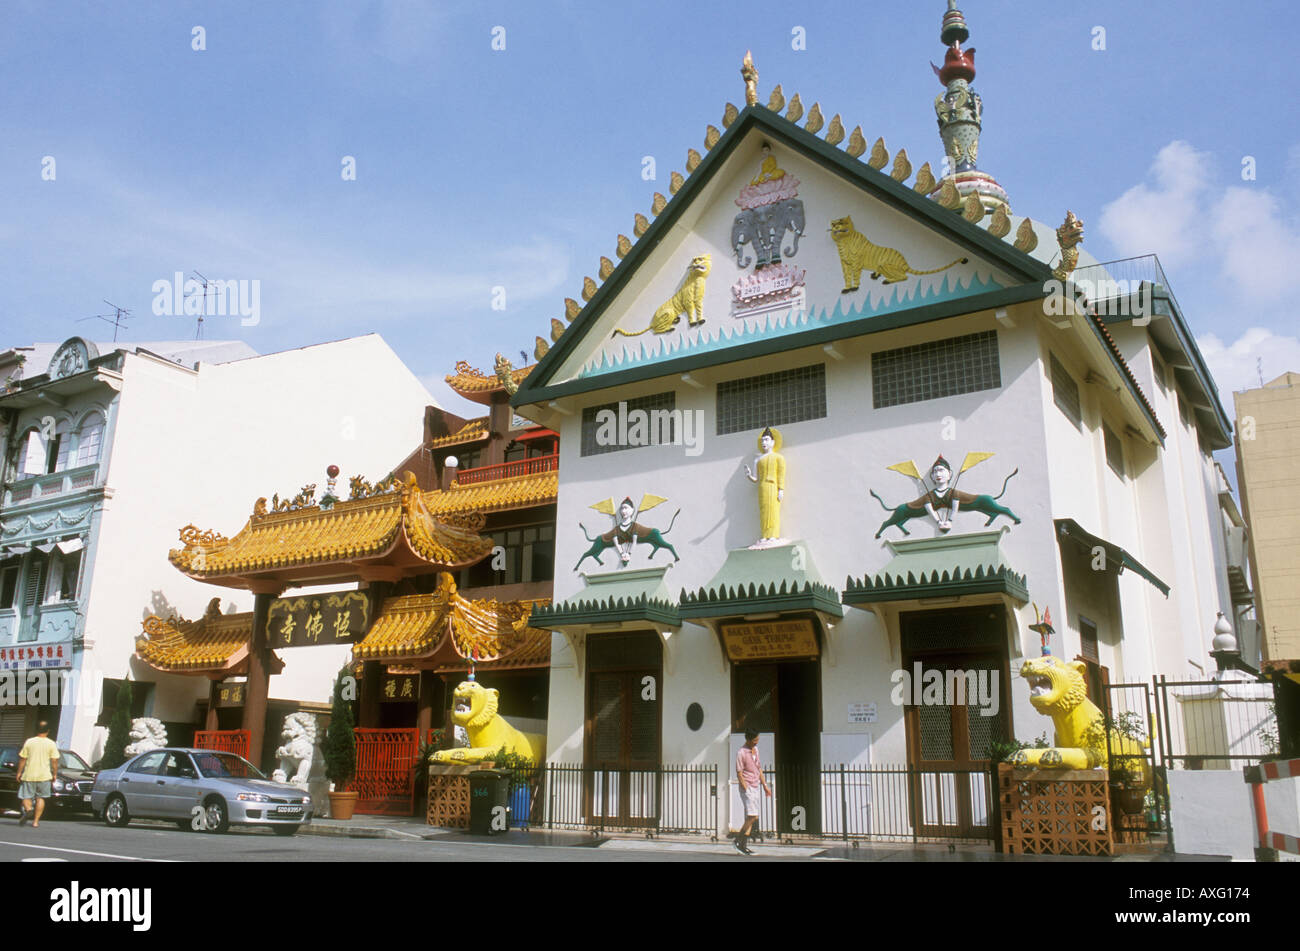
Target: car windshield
[
  {"x": 222, "y": 765},
  {"x": 70, "y": 760}
]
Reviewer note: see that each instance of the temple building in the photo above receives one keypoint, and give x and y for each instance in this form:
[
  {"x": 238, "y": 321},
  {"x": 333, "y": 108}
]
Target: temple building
[
  {"x": 108, "y": 449},
  {"x": 834, "y": 422},
  {"x": 423, "y": 576}
]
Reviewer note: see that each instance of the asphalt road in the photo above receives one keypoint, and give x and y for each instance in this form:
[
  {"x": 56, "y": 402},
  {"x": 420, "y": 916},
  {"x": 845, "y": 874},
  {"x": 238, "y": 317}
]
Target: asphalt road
[{"x": 85, "y": 840}]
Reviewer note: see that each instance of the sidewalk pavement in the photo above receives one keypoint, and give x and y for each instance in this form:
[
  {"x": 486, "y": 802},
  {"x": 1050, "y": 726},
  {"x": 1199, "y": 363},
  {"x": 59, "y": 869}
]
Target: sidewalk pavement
[{"x": 415, "y": 828}]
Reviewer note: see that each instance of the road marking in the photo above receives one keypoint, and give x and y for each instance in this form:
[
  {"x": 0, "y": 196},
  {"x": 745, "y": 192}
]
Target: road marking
[
  {"x": 43, "y": 858},
  {"x": 102, "y": 855}
]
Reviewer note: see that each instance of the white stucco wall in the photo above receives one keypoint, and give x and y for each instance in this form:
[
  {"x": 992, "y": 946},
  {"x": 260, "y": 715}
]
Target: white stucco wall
[{"x": 200, "y": 446}]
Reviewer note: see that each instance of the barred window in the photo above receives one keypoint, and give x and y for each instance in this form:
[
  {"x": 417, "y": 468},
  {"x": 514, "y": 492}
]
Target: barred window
[
  {"x": 931, "y": 371},
  {"x": 1158, "y": 369},
  {"x": 1066, "y": 392},
  {"x": 627, "y": 424},
  {"x": 1114, "y": 450},
  {"x": 773, "y": 399}
]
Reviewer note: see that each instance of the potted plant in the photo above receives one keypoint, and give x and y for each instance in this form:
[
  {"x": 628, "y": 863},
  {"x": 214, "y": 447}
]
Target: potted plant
[
  {"x": 340, "y": 749},
  {"x": 119, "y": 729},
  {"x": 1129, "y": 781}
]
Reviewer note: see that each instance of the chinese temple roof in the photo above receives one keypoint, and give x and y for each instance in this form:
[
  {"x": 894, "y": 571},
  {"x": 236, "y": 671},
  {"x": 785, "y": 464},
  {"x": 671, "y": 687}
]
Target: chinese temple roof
[
  {"x": 392, "y": 528},
  {"x": 500, "y": 495},
  {"x": 478, "y": 386},
  {"x": 475, "y": 430},
  {"x": 444, "y": 626},
  {"x": 216, "y": 644}
]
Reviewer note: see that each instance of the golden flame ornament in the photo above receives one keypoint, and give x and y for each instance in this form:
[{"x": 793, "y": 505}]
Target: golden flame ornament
[
  {"x": 675, "y": 183},
  {"x": 835, "y": 132},
  {"x": 1026, "y": 238},
  {"x": 557, "y": 328},
  {"x": 902, "y": 167},
  {"x": 606, "y": 268},
  {"x": 692, "y": 160},
  {"x": 857, "y": 143},
  {"x": 588, "y": 288},
  {"x": 571, "y": 308},
  {"x": 815, "y": 120},
  {"x": 879, "y": 155},
  {"x": 776, "y": 101},
  {"x": 925, "y": 182},
  {"x": 729, "y": 115},
  {"x": 659, "y": 204},
  {"x": 1000, "y": 226},
  {"x": 795, "y": 112},
  {"x": 624, "y": 245}
]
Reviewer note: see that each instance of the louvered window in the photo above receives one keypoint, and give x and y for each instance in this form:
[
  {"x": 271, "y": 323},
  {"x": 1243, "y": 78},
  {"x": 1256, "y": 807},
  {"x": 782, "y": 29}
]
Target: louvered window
[{"x": 1065, "y": 391}]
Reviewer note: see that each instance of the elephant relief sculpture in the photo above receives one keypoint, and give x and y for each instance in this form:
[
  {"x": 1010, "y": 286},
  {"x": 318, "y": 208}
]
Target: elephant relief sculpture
[{"x": 764, "y": 228}]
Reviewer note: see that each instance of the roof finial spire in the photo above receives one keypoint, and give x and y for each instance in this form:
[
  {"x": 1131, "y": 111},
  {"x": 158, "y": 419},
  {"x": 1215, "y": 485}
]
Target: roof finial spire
[
  {"x": 960, "y": 110},
  {"x": 750, "y": 74}
]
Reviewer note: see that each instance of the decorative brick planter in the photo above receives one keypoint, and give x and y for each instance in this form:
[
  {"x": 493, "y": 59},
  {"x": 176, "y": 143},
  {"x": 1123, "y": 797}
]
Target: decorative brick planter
[
  {"x": 449, "y": 794},
  {"x": 1055, "y": 811}
]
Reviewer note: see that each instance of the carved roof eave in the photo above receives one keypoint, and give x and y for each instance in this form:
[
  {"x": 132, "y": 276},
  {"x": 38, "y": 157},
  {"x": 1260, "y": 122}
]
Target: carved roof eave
[{"x": 728, "y": 601}]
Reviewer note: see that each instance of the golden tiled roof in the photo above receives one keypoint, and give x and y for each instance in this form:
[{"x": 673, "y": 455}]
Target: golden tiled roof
[
  {"x": 215, "y": 642},
  {"x": 519, "y": 492},
  {"x": 468, "y": 380},
  {"x": 472, "y": 431},
  {"x": 486, "y": 631},
  {"x": 357, "y": 529}
]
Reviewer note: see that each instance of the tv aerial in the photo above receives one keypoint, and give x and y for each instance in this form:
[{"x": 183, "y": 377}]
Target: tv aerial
[
  {"x": 118, "y": 318},
  {"x": 203, "y": 283}
]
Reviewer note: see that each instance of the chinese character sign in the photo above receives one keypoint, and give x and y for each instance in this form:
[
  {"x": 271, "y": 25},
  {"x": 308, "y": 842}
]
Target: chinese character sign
[{"x": 339, "y": 618}]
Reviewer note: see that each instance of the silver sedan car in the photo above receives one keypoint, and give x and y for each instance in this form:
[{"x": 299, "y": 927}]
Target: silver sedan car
[{"x": 202, "y": 790}]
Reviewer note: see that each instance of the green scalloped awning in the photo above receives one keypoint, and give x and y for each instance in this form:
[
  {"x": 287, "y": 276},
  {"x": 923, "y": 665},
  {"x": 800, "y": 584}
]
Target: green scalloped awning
[
  {"x": 947, "y": 566},
  {"x": 763, "y": 580},
  {"x": 1115, "y": 556},
  {"x": 636, "y": 595}
]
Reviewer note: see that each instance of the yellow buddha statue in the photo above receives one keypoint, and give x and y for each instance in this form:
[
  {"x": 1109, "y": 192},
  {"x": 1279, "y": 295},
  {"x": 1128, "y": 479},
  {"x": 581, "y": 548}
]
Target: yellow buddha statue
[
  {"x": 769, "y": 171},
  {"x": 771, "y": 485}
]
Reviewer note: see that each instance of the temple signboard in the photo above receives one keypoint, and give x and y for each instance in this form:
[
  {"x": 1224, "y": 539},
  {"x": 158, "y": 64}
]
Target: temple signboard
[
  {"x": 399, "y": 688},
  {"x": 231, "y": 694},
  {"x": 313, "y": 620},
  {"x": 770, "y": 640}
]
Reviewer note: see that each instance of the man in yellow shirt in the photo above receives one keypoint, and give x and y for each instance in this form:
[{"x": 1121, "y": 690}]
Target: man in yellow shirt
[{"x": 38, "y": 767}]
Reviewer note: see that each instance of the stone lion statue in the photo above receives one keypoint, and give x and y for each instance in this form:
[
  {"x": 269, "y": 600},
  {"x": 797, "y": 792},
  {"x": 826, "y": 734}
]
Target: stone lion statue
[
  {"x": 475, "y": 708},
  {"x": 298, "y": 738},
  {"x": 1058, "y": 690},
  {"x": 147, "y": 733}
]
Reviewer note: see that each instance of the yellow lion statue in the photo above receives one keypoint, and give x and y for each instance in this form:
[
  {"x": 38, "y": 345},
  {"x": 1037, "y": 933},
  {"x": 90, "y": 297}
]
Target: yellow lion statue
[
  {"x": 1058, "y": 690},
  {"x": 475, "y": 708}
]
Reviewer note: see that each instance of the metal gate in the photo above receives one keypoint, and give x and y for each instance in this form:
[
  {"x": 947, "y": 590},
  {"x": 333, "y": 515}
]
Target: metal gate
[
  {"x": 224, "y": 741},
  {"x": 385, "y": 780},
  {"x": 1139, "y": 791}
]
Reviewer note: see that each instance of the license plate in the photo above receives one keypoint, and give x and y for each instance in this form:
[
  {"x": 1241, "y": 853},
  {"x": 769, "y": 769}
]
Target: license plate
[
  {"x": 86, "y": 798},
  {"x": 288, "y": 809}
]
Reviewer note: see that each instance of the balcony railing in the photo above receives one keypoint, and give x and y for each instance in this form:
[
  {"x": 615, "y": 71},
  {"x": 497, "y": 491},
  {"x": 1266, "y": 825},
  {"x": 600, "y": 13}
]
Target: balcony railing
[
  {"x": 509, "y": 470},
  {"x": 55, "y": 483},
  {"x": 1128, "y": 273}
]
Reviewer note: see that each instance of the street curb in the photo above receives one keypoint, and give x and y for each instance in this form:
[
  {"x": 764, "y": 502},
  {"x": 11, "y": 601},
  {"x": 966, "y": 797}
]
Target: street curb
[{"x": 364, "y": 832}]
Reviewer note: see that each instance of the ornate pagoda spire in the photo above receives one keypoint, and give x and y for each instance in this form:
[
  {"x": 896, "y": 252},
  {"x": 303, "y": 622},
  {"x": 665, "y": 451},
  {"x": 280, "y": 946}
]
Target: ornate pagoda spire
[
  {"x": 749, "y": 73},
  {"x": 960, "y": 111}
]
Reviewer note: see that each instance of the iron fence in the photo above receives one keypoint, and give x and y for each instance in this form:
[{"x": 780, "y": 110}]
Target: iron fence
[
  {"x": 835, "y": 801},
  {"x": 883, "y": 802},
  {"x": 1215, "y": 724}
]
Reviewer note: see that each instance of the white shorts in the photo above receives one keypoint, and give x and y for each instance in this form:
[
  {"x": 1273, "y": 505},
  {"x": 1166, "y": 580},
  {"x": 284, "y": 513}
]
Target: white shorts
[{"x": 749, "y": 795}]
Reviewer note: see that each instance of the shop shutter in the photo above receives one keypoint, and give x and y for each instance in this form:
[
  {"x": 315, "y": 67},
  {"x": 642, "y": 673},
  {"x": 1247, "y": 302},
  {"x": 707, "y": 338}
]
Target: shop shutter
[{"x": 12, "y": 728}]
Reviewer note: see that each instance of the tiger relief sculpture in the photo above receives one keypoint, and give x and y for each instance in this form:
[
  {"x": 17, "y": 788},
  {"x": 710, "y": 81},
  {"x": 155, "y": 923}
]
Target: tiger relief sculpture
[
  {"x": 689, "y": 300},
  {"x": 857, "y": 254}
]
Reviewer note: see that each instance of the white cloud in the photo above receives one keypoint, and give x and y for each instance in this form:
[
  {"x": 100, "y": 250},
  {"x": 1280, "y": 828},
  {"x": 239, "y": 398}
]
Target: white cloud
[
  {"x": 1238, "y": 366},
  {"x": 1254, "y": 242},
  {"x": 1161, "y": 218}
]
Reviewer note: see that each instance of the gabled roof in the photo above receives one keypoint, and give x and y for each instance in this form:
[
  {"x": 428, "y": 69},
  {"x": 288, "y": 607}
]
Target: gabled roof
[{"x": 1033, "y": 274}]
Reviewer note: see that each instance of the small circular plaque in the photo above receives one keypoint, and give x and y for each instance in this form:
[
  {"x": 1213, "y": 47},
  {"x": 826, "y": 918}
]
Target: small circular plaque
[{"x": 695, "y": 716}]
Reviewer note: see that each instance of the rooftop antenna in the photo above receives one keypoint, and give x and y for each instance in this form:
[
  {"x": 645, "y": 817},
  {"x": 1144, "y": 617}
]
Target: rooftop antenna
[
  {"x": 118, "y": 318},
  {"x": 203, "y": 307},
  {"x": 1259, "y": 369}
]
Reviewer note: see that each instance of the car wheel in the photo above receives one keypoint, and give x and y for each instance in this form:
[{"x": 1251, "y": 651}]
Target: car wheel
[
  {"x": 215, "y": 815},
  {"x": 115, "y": 812},
  {"x": 284, "y": 830}
]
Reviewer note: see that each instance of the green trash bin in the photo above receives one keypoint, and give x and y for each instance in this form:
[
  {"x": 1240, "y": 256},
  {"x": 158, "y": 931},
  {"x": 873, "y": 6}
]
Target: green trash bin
[{"x": 488, "y": 798}]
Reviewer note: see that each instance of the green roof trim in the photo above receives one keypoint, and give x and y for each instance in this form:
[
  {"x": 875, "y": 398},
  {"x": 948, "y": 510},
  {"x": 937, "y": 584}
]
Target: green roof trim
[
  {"x": 1121, "y": 559},
  {"x": 762, "y": 580},
  {"x": 613, "y": 597},
  {"x": 897, "y": 195},
  {"x": 947, "y": 566}
]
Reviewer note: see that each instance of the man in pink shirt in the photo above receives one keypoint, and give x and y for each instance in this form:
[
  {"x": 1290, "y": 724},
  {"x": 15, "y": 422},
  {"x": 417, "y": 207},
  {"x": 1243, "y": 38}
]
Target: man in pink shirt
[{"x": 749, "y": 771}]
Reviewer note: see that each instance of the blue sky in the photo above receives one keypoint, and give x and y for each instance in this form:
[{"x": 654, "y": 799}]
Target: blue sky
[{"x": 517, "y": 168}]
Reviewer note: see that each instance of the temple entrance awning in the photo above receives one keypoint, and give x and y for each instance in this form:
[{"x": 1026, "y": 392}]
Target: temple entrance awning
[
  {"x": 443, "y": 630},
  {"x": 613, "y": 598},
  {"x": 943, "y": 567},
  {"x": 1117, "y": 558},
  {"x": 779, "y": 579},
  {"x": 384, "y": 535},
  {"x": 216, "y": 645}
]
